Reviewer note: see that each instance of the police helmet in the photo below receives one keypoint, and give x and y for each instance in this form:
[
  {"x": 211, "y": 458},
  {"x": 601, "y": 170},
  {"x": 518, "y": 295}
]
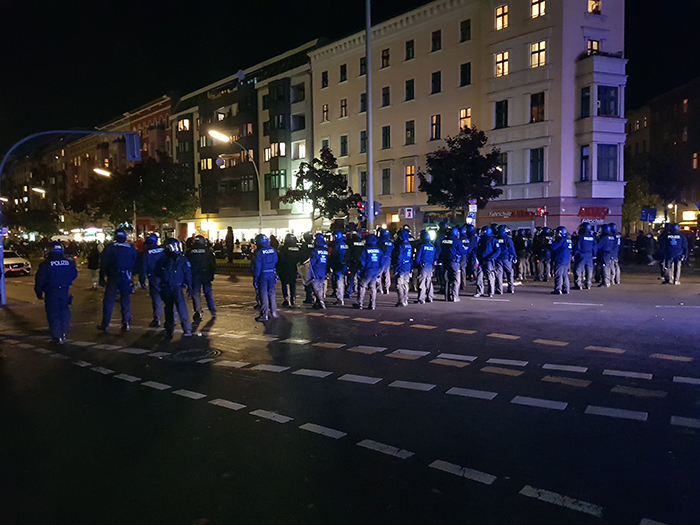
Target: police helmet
[
  {"x": 57, "y": 246},
  {"x": 320, "y": 240},
  {"x": 675, "y": 228},
  {"x": 562, "y": 231},
  {"x": 613, "y": 227},
  {"x": 173, "y": 246},
  {"x": 605, "y": 229},
  {"x": 308, "y": 236},
  {"x": 120, "y": 235},
  {"x": 338, "y": 236},
  {"x": 371, "y": 240},
  {"x": 404, "y": 235},
  {"x": 503, "y": 230},
  {"x": 261, "y": 239},
  {"x": 442, "y": 226},
  {"x": 152, "y": 238},
  {"x": 454, "y": 232},
  {"x": 521, "y": 232},
  {"x": 463, "y": 231},
  {"x": 546, "y": 231},
  {"x": 528, "y": 233},
  {"x": 584, "y": 228},
  {"x": 199, "y": 239},
  {"x": 470, "y": 228},
  {"x": 424, "y": 235},
  {"x": 384, "y": 233},
  {"x": 290, "y": 240},
  {"x": 486, "y": 231}
]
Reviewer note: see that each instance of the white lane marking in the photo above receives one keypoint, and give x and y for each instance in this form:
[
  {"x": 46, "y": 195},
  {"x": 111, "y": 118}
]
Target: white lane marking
[
  {"x": 231, "y": 364},
  {"x": 686, "y": 380},
  {"x": 685, "y": 421},
  {"x": 606, "y": 349},
  {"x": 566, "y": 368},
  {"x": 467, "y": 392},
  {"x": 11, "y": 341},
  {"x": 234, "y": 336},
  {"x": 82, "y": 343},
  {"x": 338, "y": 317},
  {"x": 675, "y": 306},
  {"x": 638, "y": 392},
  {"x": 504, "y": 336},
  {"x": 562, "y": 501},
  {"x": 668, "y": 357},
  {"x": 449, "y": 362},
  {"x": 363, "y": 319},
  {"x": 102, "y": 370},
  {"x": 311, "y": 373},
  {"x": 616, "y": 412},
  {"x": 570, "y": 381},
  {"x": 411, "y": 385},
  {"x": 461, "y": 331},
  {"x": 59, "y": 356},
  {"x": 627, "y": 373},
  {"x": 159, "y": 354},
  {"x": 407, "y": 354},
  {"x": 324, "y": 431},
  {"x": 127, "y": 377},
  {"x": 360, "y": 379},
  {"x": 189, "y": 393},
  {"x": 156, "y": 385},
  {"x": 540, "y": 403},
  {"x": 292, "y": 341},
  {"x": 107, "y": 347},
  {"x": 579, "y": 304},
  {"x": 647, "y": 521},
  {"x": 41, "y": 350},
  {"x": 328, "y": 345},
  {"x": 509, "y": 362},
  {"x": 392, "y": 323},
  {"x": 463, "y": 472},
  {"x": 423, "y": 326},
  {"x": 272, "y": 416},
  {"x": 205, "y": 360},
  {"x": 270, "y": 368},
  {"x": 458, "y": 357},
  {"x": 367, "y": 349},
  {"x": 502, "y": 371},
  {"x": 266, "y": 338},
  {"x": 489, "y": 299},
  {"x": 549, "y": 342},
  {"x": 226, "y": 404},
  {"x": 25, "y": 345},
  {"x": 385, "y": 449},
  {"x": 315, "y": 314},
  {"x": 135, "y": 351},
  {"x": 82, "y": 364}
]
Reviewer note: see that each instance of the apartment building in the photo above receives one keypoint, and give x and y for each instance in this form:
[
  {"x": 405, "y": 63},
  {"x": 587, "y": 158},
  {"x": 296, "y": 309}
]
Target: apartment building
[{"x": 545, "y": 81}]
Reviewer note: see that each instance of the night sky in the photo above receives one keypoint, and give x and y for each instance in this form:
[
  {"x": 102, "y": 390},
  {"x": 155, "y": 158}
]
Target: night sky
[{"x": 78, "y": 63}]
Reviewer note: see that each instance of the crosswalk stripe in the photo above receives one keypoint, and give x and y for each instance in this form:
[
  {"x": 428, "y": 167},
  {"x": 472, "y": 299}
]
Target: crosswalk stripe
[
  {"x": 311, "y": 373},
  {"x": 367, "y": 349},
  {"x": 638, "y": 392},
  {"x": 360, "y": 379},
  {"x": 363, "y": 319},
  {"x": 226, "y": 404},
  {"x": 392, "y": 323},
  {"x": 463, "y": 472},
  {"x": 502, "y": 371},
  {"x": 270, "y": 368},
  {"x": 689, "y": 422},
  {"x": 385, "y": 449},
  {"x": 423, "y": 326},
  {"x": 668, "y": 357},
  {"x": 570, "y": 381},
  {"x": 504, "y": 336},
  {"x": 468, "y": 392},
  {"x": 272, "y": 416},
  {"x": 449, "y": 362},
  {"x": 627, "y": 373},
  {"x": 606, "y": 349},
  {"x": 562, "y": 501},
  {"x": 549, "y": 342},
  {"x": 616, "y": 412},
  {"x": 411, "y": 385},
  {"x": 407, "y": 354},
  {"x": 507, "y": 362},
  {"x": 328, "y": 345},
  {"x": 539, "y": 403},
  {"x": 460, "y": 331},
  {"x": 323, "y": 431}
]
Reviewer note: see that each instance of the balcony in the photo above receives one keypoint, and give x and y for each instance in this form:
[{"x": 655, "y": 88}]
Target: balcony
[{"x": 599, "y": 189}]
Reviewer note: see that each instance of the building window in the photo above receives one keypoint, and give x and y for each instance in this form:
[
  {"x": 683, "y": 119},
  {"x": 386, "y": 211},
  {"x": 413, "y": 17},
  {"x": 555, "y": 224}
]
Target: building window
[
  {"x": 410, "y": 132},
  {"x": 465, "y": 118},
  {"x": 695, "y": 161},
  {"x": 325, "y": 144},
  {"x": 636, "y": 125},
  {"x": 343, "y": 145},
  {"x": 537, "y": 165},
  {"x": 363, "y": 66},
  {"x": 502, "y": 64},
  {"x": 646, "y": 122},
  {"x": 501, "y": 114},
  {"x": 465, "y": 74},
  {"x": 324, "y": 113},
  {"x": 537, "y": 8},
  {"x": 299, "y": 150},
  {"x": 410, "y": 172},
  {"x": 324, "y": 79},
  {"x": 607, "y": 162},
  {"x": 183, "y": 124},
  {"x": 465, "y": 30},
  {"x": 684, "y": 137},
  {"x": 363, "y": 141},
  {"x": 363, "y": 102},
  {"x": 298, "y": 93},
  {"x": 607, "y": 101},
  {"x": 266, "y": 128},
  {"x": 386, "y": 96},
  {"x": 385, "y": 58},
  {"x": 220, "y": 116},
  {"x": 537, "y": 54},
  {"x": 363, "y": 183},
  {"x": 410, "y": 50},
  {"x": 386, "y": 181},
  {"x": 537, "y": 107},
  {"x": 278, "y": 122},
  {"x": 343, "y": 73},
  {"x": 343, "y": 107},
  {"x": 593, "y": 47},
  {"x": 436, "y": 41},
  {"x": 594, "y": 6},
  {"x": 265, "y": 102},
  {"x": 298, "y": 122},
  {"x": 501, "y": 17},
  {"x": 586, "y": 102},
  {"x": 685, "y": 105},
  {"x": 386, "y": 137},
  {"x": 435, "y": 128},
  {"x": 410, "y": 89},
  {"x": 436, "y": 82},
  {"x": 247, "y": 183},
  {"x": 585, "y": 163}
]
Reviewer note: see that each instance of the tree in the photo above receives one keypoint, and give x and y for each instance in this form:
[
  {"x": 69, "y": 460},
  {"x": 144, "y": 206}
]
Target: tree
[
  {"x": 460, "y": 172},
  {"x": 327, "y": 190},
  {"x": 637, "y": 190},
  {"x": 44, "y": 222}
]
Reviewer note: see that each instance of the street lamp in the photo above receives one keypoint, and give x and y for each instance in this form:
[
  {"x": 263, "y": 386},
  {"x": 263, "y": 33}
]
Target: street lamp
[
  {"x": 225, "y": 138},
  {"x": 102, "y": 172},
  {"x": 39, "y": 190},
  {"x": 4, "y": 199}
]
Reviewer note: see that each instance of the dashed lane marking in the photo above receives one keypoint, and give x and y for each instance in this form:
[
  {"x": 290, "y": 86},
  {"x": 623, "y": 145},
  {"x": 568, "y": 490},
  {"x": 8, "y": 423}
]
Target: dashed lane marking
[
  {"x": 155, "y": 385},
  {"x": 311, "y": 372},
  {"x": 540, "y": 403},
  {"x": 107, "y": 347},
  {"x": 41, "y": 350},
  {"x": 689, "y": 422},
  {"x": 549, "y": 342},
  {"x": 410, "y": 385},
  {"x": 158, "y": 354},
  {"x": 627, "y": 373},
  {"x": 647, "y": 521},
  {"x": 231, "y": 364},
  {"x": 423, "y": 326},
  {"x": 226, "y": 404},
  {"x": 189, "y": 393},
  {"x": 234, "y": 336},
  {"x": 135, "y": 351},
  {"x": 490, "y": 299},
  {"x": 102, "y": 370},
  {"x": 407, "y": 354},
  {"x": 570, "y": 381},
  {"x": 508, "y": 362},
  {"x": 270, "y": 368},
  {"x": 385, "y": 449},
  {"x": 128, "y": 378},
  {"x": 668, "y": 357},
  {"x": 59, "y": 356},
  {"x": 463, "y": 472},
  {"x": 458, "y": 357},
  {"x": 460, "y": 331},
  {"x": 360, "y": 379},
  {"x": 562, "y": 501},
  {"x": 674, "y": 306},
  {"x": 449, "y": 362},
  {"x": 323, "y": 431},
  {"x": 272, "y": 416},
  {"x": 687, "y": 380},
  {"x": 25, "y": 345},
  {"x": 392, "y": 323},
  {"x": 606, "y": 349},
  {"x": 82, "y": 364},
  {"x": 266, "y": 338},
  {"x": 82, "y": 343},
  {"x": 504, "y": 336},
  {"x": 338, "y": 317},
  {"x": 328, "y": 345},
  {"x": 467, "y": 392},
  {"x": 616, "y": 412},
  {"x": 578, "y": 304},
  {"x": 205, "y": 360},
  {"x": 367, "y": 349},
  {"x": 638, "y": 392},
  {"x": 502, "y": 371},
  {"x": 293, "y": 341},
  {"x": 565, "y": 368},
  {"x": 315, "y": 314},
  {"x": 363, "y": 319}
]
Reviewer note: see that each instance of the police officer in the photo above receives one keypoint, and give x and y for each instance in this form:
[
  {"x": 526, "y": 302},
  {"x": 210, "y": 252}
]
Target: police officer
[
  {"x": 152, "y": 253},
  {"x": 605, "y": 250},
  {"x": 439, "y": 268},
  {"x": 174, "y": 274},
  {"x": 544, "y": 255},
  {"x": 318, "y": 265},
  {"x": 307, "y": 246},
  {"x": 451, "y": 259},
  {"x": 338, "y": 265},
  {"x": 425, "y": 259},
  {"x": 506, "y": 258},
  {"x": 203, "y": 264},
  {"x": 52, "y": 283},
  {"x": 289, "y": 257},
  {"x": 265, "y": 277},
  {"x": 464, "y": 237},
  {"x": 357, "y": 247},
  {"x": 561, "y": 259},
  {"x": 584, "y": 251},
  {"x": 370, "y": 265},
  {"x": 387, "y": 246},
  {"x": 616, "y": 254},
  {"x": 487, "y": 251},
  {"x": 118, "y": 261},
  {"x": 520, "y": 243},
  {"x": 674, "y": 252},
  {"x": 472, "y": 262},
  {"x": 404, "y": 260}
]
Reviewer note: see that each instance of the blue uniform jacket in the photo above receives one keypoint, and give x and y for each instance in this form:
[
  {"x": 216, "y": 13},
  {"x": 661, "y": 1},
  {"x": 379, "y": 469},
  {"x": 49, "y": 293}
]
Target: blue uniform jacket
[
  {"x": 425, "y": 255},
  {"x": 338, "y": 257},
  {"x": 561, "y": 251},
  {"x": 264, "y": 263},
  {"x": 488, "y": 249},
  {"x": 606, "y": 247},
  {"x": 507, "y": 249},
  {"x": 173, "y": 273},
  {"x": 118, "y": 259},
  {"x": 387, "y": 248},
  {"x": 675, "y": 247},
  {"x": 203, "y": 262},
  {"x": 585, "y": 247},
  {"x": 616, "y": 249},
  {"x": 150, "y": 256},
  {"x": 318, "y": 263},
  {"x": 53, "y": 273},
  {"x": 405, "y": 258},
  {"x": 370, "y": 262}
]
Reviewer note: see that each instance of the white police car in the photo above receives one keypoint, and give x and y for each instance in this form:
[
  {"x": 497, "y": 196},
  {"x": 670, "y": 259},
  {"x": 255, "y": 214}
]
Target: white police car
[{"x": 14, "y": 264}]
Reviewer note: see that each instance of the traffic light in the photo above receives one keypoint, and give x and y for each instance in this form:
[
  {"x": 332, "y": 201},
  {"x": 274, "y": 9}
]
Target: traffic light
[
  {"x": 542, "y": 211},
  {"x": 377, "y": 208},
  {"x": 362, "y": 208}
]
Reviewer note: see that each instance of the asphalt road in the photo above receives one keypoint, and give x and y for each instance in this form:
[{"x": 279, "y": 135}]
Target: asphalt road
[{"x": 523, "y": 409}]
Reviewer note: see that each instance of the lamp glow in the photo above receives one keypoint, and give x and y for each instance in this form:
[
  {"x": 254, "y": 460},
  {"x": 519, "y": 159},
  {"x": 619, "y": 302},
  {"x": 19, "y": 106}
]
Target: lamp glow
[
  {"x": 4, "y": 199},
  {"x": 219, "y": 136},
  {"x": 39, "y": 190},
  {"x": 102, "y": 172}
]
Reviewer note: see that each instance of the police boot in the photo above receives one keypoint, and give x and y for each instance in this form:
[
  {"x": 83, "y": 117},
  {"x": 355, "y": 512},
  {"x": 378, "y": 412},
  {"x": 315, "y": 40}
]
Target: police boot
[
  {"x": 197, "y": 317},
  {"x": 125, "y": 326},
  {"x": 155, "y": 323},
  {"x": 103, "y": 328},
  {"x": 261, "y": 319},
  {"x": 285, "y": 303}
]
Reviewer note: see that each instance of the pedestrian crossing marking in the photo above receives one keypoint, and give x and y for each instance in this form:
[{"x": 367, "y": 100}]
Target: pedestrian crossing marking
[
  {"x": 316, "y": 314},
  {"x": 328, "y": 345},
  {"x": 616, "y": 412},
  {"x": 468, "y": 392},
  {"x": 363, "y": 319},
  {"x": 507, "y": 362},
  {"x": 392, "y": 323},
  {"x": 360, "y": 379},
  {"x": 292, "y": 341},
  {"x": 579, "y": 383},
  {"x": 270, "y": 368},
  {"x": 685, "y": 421},
  {"x": 407, "y": 354},
  {"x": 423, "y": 326},
  {"x": 668, "y": 357},
  {"x": 504, "y": 336},
  {"x": 266, "y": 338},
  {"x": 323, "y": 431},
  {"x": 463, "y": 472},
  {"x": 686, "y": 380},
  {"x": 502, "y": 371},
  {"x": 272, "y": 416},
  {"x": 367, "y": 349},
  {"x": 458, "y": 357},
  {"x": 338, "y": 317},
  {"x": 411, "y": 385},
  {"x": 626, "y": 373},
  {"x": 312, "y": 373},
  {"x": 638, "y": 392},
  {"x": 460, "y": 331},
  {"x": 606, "y": 349},
  {"x": 231, "y": 364},
  {"x": 550, "y": 342},
  {"x": 449, "y": 362}
]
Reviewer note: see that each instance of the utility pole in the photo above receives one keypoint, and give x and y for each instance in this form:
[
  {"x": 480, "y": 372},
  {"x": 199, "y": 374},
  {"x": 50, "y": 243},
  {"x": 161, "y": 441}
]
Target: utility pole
[{"x": 370, "y": 106}]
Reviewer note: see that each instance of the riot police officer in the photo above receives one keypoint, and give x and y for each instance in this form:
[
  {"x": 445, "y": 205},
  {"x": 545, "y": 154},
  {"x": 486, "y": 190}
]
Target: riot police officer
[
  {"x": 174, "y": 274},
  {"x": 544, "y": 255},
  {"x": 203, "y": 264},
  {"x": 439, "y": 268},
  {"x": 451, "y": 256},
  {"x": 357, "y": 247},
  {"x": 616, "y": 254},
  {"x": 521, "y": 244},
  {"x": 307, "y": 247},
  {"x": 605, "y": 250},
  {"x": 673, "y": 252},
  {"x": 52, "y": 283},
  {"x": 318, "y": 265},
  {"x": 464, "y": 237},
  {"x": 504, "y": 262},
  {"x": 370, "y": 265},
  {"x": 387, "y": 246},
  {"x": 149, "y": 258},
  {"x": 584, "y": 251},
  {"x": 487, "y": 251},
  {"x": 561, "y": 259},
  {"x": 265, "y": 277},
  {"x": 118, "y": 262},
  {"x": 289, "y": 256},
  {"x": 404, "y": 259},
  {"x": 425, "y": 259},
  {"x": 338, "y": 265}
]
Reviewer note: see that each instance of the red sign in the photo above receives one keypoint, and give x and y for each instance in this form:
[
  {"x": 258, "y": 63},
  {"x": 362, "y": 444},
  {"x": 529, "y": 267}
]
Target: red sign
[{"x": 595, "y": 212}]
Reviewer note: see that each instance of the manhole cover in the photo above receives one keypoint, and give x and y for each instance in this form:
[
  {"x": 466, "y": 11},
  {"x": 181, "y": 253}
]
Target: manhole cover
[{"x": 194, "y": 355}]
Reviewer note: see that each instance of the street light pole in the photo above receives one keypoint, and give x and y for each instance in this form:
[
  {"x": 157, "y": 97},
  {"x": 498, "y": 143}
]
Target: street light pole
[{"x": 370, "y": 143}]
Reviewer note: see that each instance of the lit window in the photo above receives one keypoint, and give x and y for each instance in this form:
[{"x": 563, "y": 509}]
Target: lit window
[
  {"x": 301, "y": 151},
  {"x": 636, "y": 125},
  {"x": 106, "y": 163},
  {"x": 220, "y": 116},
  {"x": 537, "y": 8},
  {"x": 385, "y": 58},
  {"x": 324, "y": 113},
  {"x": 268, "y": 154},
  {"x": 465, "y": 118},
  {"x": 502, "y": 64},
  {"x": 594, "y": 6},
  {"x": 537, "y": 107},
  {"x": 343, "y": 107},
  {"x": 435, "y": 128},
  {"x": 410, "y": 179},
  {"x": 283, "y": 149},
  {"x": 209, "y": 164},
  {"x": 183, "y": 124},
  {"x": 501, "y": 175},
  {"x": 695, "y": 161},
  {"x": 501, "y": 17},
  {"x": 685, "y": 105},
  {"x": 537, "y": 54},
  {"x": 593, "y": 47},
  {"x": 646, "y": 122}
]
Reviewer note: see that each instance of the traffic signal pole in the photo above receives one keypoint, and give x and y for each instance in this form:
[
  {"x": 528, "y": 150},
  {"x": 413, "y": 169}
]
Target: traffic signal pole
[
  {"x": 133, "y": 153},
  {"x": 370, "y": 106}
]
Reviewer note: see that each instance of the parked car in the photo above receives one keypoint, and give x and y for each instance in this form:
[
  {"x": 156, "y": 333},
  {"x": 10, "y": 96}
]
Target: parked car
[{"x": 14, "y": 264}]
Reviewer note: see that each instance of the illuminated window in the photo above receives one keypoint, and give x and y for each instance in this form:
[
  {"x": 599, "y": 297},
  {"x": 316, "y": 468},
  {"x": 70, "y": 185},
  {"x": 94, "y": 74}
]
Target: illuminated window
[
  {"x": 594, "y": 6},
  {"x": 324, "y": 79},
  {"x": 435, "y": 128},
  {"x": 436, "y": 41},
  {"x": 410, "y": 50},
  {"x": 343, "y": 107},
  {"x": 501, "y": 175},
  {"x": 324, "y": 113},
  {"x": 465, "y": 30},
  {"x": 695, "y": 161},
  {"x": 106, "y": 163},
  {"x": 385, "y": 58},
  {"x": 685, "y": 106},
  {"x": 636, "y": 125},
  {"x": 410, "y": 132},
  {"x": 283, "y": 149},
  {"x": 209, "y": 164},
  {"x": 410, "y": 172},
  {"x": 268, "y": 154},
  {"x": 537, "y": 107},
  {"x": 247, "y": 183},
  {"x": 537, "y": 54},
  {"x": 593, "y": 47},
  {"x": 465, "y": 74},
  {"x": 301, "y": 152},
  {"x": 465, "y": 118},
  {"x": 502, "y": 64},
  {"x": 537, "y": 8},
  {"x": 501, "y": 17},
  {"x": 220, "y": 116},
  {"x": 646, "y": 122},
  {"x": 183, "y": 124}
]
